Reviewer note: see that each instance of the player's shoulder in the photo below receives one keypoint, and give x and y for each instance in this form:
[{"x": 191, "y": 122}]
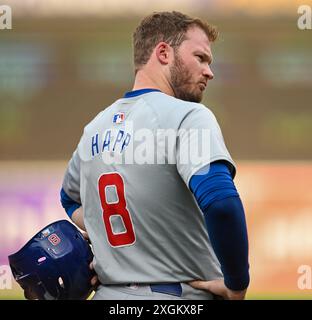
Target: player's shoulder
[
  {"x": 169, "y": 107},
  {"x": 97, "y": 121},
  {"x": 155, "y": 98}
]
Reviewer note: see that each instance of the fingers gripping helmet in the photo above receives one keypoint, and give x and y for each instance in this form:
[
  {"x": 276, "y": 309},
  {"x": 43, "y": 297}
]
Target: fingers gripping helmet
[{"x": 54, "y": 264}]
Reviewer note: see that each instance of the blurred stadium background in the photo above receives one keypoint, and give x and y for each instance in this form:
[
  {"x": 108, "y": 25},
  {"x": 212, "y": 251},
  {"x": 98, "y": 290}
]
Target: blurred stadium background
[{"x": 63, "y": 62}]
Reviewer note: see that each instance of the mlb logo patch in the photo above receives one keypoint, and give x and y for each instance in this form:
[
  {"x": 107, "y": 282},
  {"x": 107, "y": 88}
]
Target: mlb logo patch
[{"x": 119, "y": 117}]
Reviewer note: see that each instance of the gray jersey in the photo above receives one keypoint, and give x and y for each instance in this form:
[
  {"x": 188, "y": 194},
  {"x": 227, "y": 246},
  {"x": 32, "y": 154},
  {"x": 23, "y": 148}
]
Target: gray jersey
[{"x": 131, "y": 173}]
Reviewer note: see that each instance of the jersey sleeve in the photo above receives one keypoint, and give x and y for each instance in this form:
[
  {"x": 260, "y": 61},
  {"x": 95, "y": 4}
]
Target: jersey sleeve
[
  {"x": 199, "y": 143},
  {"x": 71, "y": 181}
]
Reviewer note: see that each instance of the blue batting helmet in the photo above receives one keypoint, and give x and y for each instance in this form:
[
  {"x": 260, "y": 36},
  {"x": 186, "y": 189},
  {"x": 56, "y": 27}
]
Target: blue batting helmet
[{"x": 54, "y": 264}]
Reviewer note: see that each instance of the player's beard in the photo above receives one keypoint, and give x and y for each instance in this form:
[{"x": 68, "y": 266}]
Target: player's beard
[{"x": 182, "y": 83}]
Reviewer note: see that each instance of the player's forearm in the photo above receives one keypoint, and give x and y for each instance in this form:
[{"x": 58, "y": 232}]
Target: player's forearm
[
  {"x": 217, "y": 197},
  {"x": 227, "y": 231},
  {"x": 77, "y": 218}
]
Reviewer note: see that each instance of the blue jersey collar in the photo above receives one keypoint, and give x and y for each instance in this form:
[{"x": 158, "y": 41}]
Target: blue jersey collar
[{"x": 136, "y": 93}]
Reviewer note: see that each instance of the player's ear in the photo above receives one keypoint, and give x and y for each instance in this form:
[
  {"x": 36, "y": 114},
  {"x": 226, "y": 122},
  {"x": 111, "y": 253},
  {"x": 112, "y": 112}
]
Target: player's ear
[{"x": 163, "y": 52}]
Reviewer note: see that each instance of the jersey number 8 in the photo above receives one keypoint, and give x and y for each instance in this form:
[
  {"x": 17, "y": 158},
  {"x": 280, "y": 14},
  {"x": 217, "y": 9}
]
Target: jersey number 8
[{"x": 117, "y": 208}]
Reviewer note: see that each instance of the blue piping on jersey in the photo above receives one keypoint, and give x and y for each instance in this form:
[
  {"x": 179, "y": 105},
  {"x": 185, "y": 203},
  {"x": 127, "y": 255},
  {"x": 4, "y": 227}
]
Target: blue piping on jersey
[
  {"x": 136, "y": 93},
  {"x": 68, "y": 204},
  {"x": 224, "y": 215}
]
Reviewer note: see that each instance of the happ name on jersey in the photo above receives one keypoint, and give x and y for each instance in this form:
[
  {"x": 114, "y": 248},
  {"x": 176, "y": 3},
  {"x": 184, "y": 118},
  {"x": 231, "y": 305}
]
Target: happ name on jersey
[{"x": 111, "y": 141}]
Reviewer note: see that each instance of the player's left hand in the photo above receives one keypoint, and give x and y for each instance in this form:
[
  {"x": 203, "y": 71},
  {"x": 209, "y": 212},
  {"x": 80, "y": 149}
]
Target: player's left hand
[{"x": 218, "y": 288}]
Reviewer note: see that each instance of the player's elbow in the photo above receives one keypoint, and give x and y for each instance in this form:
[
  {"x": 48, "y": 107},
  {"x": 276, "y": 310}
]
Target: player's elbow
[{"x": 68, "y": 204}]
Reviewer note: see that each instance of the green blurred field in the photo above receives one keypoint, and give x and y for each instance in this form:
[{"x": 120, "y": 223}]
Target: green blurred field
[
  {"x": 17, "y": 294},
  {"x": 14, "y": 294}
]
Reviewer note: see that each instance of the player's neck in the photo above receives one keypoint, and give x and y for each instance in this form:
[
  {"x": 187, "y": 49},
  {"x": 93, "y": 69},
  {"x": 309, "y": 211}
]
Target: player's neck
[{"x": 143, "y": 81}]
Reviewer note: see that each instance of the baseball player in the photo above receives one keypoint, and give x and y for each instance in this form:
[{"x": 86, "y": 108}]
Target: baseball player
[{"x": 162, "y": 225}]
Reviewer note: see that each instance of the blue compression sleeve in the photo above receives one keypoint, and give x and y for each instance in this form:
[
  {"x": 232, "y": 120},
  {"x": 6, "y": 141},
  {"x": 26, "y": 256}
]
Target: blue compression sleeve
[
  {"x": 217, "y": 197},
  {"x": 68, "y": 204}
]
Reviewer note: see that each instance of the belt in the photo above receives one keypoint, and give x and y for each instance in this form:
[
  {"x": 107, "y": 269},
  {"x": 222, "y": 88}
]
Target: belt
[{"x": 174, "y": 289}]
